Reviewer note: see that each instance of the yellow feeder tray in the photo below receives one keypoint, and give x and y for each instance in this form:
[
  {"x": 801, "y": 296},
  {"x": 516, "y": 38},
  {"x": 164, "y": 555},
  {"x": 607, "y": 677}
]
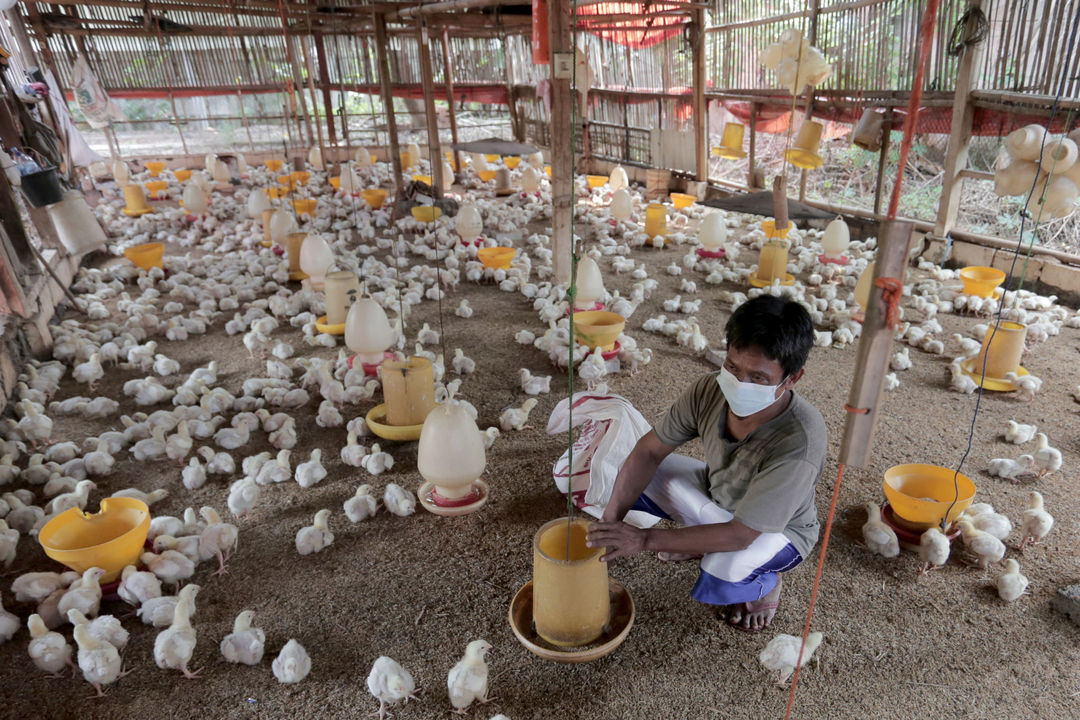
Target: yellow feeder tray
[
  {"x": 491, "y": 158},
  {"x": 596, "y": 181},
  {"x": 146, "y": 256},
  {"x": 921, "y": 494},
  {"x": 512, "y": 162},
  {"x": 265, "y": 243},
  {"x": 615, "y": 632},
  {"x": 422, "y": 178},
  {"x": 598, "y": 328},
  {"x": 156, "y": 186},
  {"x": 324, "y": 327},
  {"x": 374, "y": 197},
  {"x": 981, "y": 281},
  {"x": 305, "y": 206},
  {"x": 426, "y": 213},
  {"x": 376, "y": 420},
  {"x": 182, "y": 175},
  {"x": 335, "y": 182},
  {"x": 155, "y": 167},
  {"x": 288, "y": 181},
  {"x": 300, "y": 176},
  {"x": 110, "y": 539},
  {"x": 789, "y": 279},
  {"x": 974, "y": 372},
  {"x": 486, "y": 175},
  {"x": 274, "y": 165},
  {"x": 681, "y": 200},
  {"x": 496, "y": 258},
  {"x": 297, "y": 276},
  {"x": 276, "y": 193}
]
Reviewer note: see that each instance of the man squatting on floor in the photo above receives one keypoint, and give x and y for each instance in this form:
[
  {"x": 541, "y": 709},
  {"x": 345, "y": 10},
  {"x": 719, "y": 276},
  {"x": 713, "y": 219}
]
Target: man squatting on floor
[{"x": 748, "y": 511}]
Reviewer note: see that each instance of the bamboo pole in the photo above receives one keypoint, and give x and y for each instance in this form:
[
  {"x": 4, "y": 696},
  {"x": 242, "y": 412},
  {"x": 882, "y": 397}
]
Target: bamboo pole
[
  {"x": 387, "y": 97},
  {"x": 883, "y": 159},
  {"x": 508, "y": 70},
  {"x": 434, "y": 147},
  {"x": 562, "y": 127},
  {"x": 701, "y": 150},
  {"x": 448, "y": 79},
  {"x": 324, "y": 81},
  {"x": 314, "y": 102}
]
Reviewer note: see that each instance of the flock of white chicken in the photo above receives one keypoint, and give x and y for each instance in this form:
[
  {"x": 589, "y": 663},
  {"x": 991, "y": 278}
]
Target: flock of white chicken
[{"x": 131, "y": 315}]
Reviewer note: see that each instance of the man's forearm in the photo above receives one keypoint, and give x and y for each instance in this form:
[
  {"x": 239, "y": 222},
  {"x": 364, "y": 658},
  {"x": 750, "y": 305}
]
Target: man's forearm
[
  {"x": 634, "y": 476},
  {"x": 700, "y": 539}
]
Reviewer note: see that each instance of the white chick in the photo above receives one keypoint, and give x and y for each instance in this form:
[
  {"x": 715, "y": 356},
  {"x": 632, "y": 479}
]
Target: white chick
[
  {"x": 534, "y": 384},
  {"x": 353, "y": 453},
  {"x": 48, "y": 650},
  {"x": 878, "y": 536},
  {"x": 138, "y": 586},
  {"x": 245, "y": 643},
  {"x": 9, "y": 544},
  {"x": 312, "y": 472},
  {"x": 89, "y": 372},
  {"x": 1015, "y": 470},
  {"x": 34, "y": 587},
  {"x": 218, "y": 539},
  {"x": 468, "y": 679},
  {"x": 782, "y": 654},
  {"x": 377, "y": 461},
  {"x": 316, "y": 537},
  {"x": 427, "y": 336},
  {"x": 398, "y": 500},
  {"x": 1010, "y": 583},
  {"x": 515, "y": 418},
  {"x": 292, "y": 664},
  {"x": 104, "y": 627},
  {"x": 193, "y": 476},
  {"x": 390, "y": 683},
  {"x": 901, "y": 360},
  {"x": 464, "y": 310},
  {"x": 1027, "y": 385},
  {"x": 147, "y": 497},
  {"x": 891, "y": 381},
  {"x": 994, "y": 523},
  {"x": 524, "y": 337},
  {"x": 362, "y": 505},
  {"x": 98, "y": 660},
  {"x": 489, "y": 436},
  {"x": 933, "y": 550},
  {"x": 984, "y": 546},
  {"x": 462, "y": 365},
  {"x": 1047, "y": 459},
  {"x": 9, "y": 623},
  {"x": 170, "y": 566},
  {"x": 1019, "y": 434},
  {"x": 174, "y": 646},
  {"x": 1035, "y": 523},
  {"x": 243, "y": 496},
  {"x": 84, "y": 595}
]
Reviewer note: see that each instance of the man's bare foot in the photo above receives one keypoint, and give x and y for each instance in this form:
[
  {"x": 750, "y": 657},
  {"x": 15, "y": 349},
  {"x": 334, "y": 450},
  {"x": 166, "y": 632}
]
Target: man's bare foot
[{"x": 756, "y": 615}]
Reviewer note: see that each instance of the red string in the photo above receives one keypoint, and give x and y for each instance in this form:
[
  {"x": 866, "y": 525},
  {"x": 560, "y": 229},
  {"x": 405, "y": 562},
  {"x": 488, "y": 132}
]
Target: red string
[
  {"x": 892, "y": 291},
  {"x": 814, "y": 589},
  {"x": 926, "y": 36},
  {"x": 855, "y": 410}
]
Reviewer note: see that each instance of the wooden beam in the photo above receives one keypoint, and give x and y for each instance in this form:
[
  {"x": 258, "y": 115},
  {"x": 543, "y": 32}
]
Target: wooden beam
[
  {"x": 508, "y": 69},
  {"x": 387, "y": 98},
  {"x": 875, "y": 347},
  {"x": 883, "y": 160},
  {"x": 562, "y": 134},
  {"x": 448, "y": 6},
  {"x": 701, "y": 116},
  {"x": 426, "y": 78},
  {"x": 315, "y": 103},
  {"x": 956, "y": 154},
  {"x": 324, "y": 81},
  {"x": 448, "y": 76}
]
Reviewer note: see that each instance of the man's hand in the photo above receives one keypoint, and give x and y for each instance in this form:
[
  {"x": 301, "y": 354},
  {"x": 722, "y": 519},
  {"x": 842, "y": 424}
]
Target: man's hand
[{"x": 620, "y": 539}]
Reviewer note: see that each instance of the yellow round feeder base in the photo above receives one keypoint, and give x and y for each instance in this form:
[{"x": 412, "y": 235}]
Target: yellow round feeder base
[
  {"x": 728, "y": 153},
  {"x": 754, "y": 280},
  {"x": 137, "y": 213},
  {"x": 804, "y": 159},
  {"x": 297, "y": 276},
  {"x": 990, "y": 383},
  {"x": 426, "y": 489},
  {"x": 920, "y": 495},
  {"x": 109, "y": 539},
  {"x": 265, "y": 243},
  {"x": 615, "y": 632},
  {"x": 376, "y": 420},
  {"x": 324, "y": 327}
]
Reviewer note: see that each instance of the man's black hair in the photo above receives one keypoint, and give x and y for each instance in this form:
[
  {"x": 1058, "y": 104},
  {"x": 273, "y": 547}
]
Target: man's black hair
[{"x": 781, "y": 329}]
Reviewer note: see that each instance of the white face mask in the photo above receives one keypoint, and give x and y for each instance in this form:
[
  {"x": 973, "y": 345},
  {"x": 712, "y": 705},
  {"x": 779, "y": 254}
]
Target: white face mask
[{"x": 745, "y": 398}]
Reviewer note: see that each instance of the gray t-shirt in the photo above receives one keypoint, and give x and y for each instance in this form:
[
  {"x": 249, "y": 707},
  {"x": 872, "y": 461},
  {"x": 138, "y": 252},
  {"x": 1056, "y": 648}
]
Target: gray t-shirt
[{"x": 767, "y": 479}]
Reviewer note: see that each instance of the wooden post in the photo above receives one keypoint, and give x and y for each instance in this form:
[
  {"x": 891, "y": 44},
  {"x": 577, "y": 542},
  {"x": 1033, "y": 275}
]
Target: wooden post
[
  {"x": 875, "y": 346},
  {"x": 562, "y": 129},
  {"x": 701, "y": 138},
  {"x": 883, "y": 159},
  {"x": 956, "y": 156},
  {"x": 428, "y": 83},
  {"x": 751, "y": 180},
  {"x": 387, "y": 97},
  {"x": 324, "y": 81},
  {"x": 314, "y": 102},
  {"x": 448, "y": 74},
  {"x": 515, "y": 120}
]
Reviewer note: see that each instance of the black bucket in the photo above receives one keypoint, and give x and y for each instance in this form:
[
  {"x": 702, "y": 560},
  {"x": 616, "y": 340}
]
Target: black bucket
[{"x": 42, "y": 188}]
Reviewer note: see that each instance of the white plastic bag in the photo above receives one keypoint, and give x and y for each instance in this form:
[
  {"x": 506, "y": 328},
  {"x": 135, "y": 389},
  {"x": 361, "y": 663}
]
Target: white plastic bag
[
  {"x": 610, "y": 427},
  {"x": 93, "y": 102}
]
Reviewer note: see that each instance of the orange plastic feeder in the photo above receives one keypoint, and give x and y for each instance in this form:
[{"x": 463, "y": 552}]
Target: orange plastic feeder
[
  {"x": 496, "y": 258},
  {"x": 110, "y": 539}
]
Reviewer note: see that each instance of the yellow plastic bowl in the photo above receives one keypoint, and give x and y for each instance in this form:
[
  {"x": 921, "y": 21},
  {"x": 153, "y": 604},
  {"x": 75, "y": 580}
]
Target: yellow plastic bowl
[
  {"x": 426, "y": 213},
  {"x": 598, "y": 328},
  {"x": 147, "y": 255},
  {"x": 491, "y": 157},
  {"x": 376, "y": 420},
  {"x": 274, "y": 165},
  {"x": 155, "y": 167},
  {"x": 182, "y": 175},
  {"x": 335, "y": 182},
  {"x": 921, "y": 494},
  {"x": 422, "y": 178},
  {"x": 596, "y": 181},
  {"x": 109, "y": 539},
  {"x": 496, "y": 258},
  {"x": 276, "y": 193},
  {"x": 287, "y": 180},
  {"x": 305, "y": 206},
  {"x": 300, "y": 176},
  {"x": 486, "y": 175},
  {"x": 156, "y": 186},
  {"x": 374, "y": 197},
  {"x": 681, "y": 200},
  {"x": 981, "y": 281},
  {"x": 511, "y": 162}
]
